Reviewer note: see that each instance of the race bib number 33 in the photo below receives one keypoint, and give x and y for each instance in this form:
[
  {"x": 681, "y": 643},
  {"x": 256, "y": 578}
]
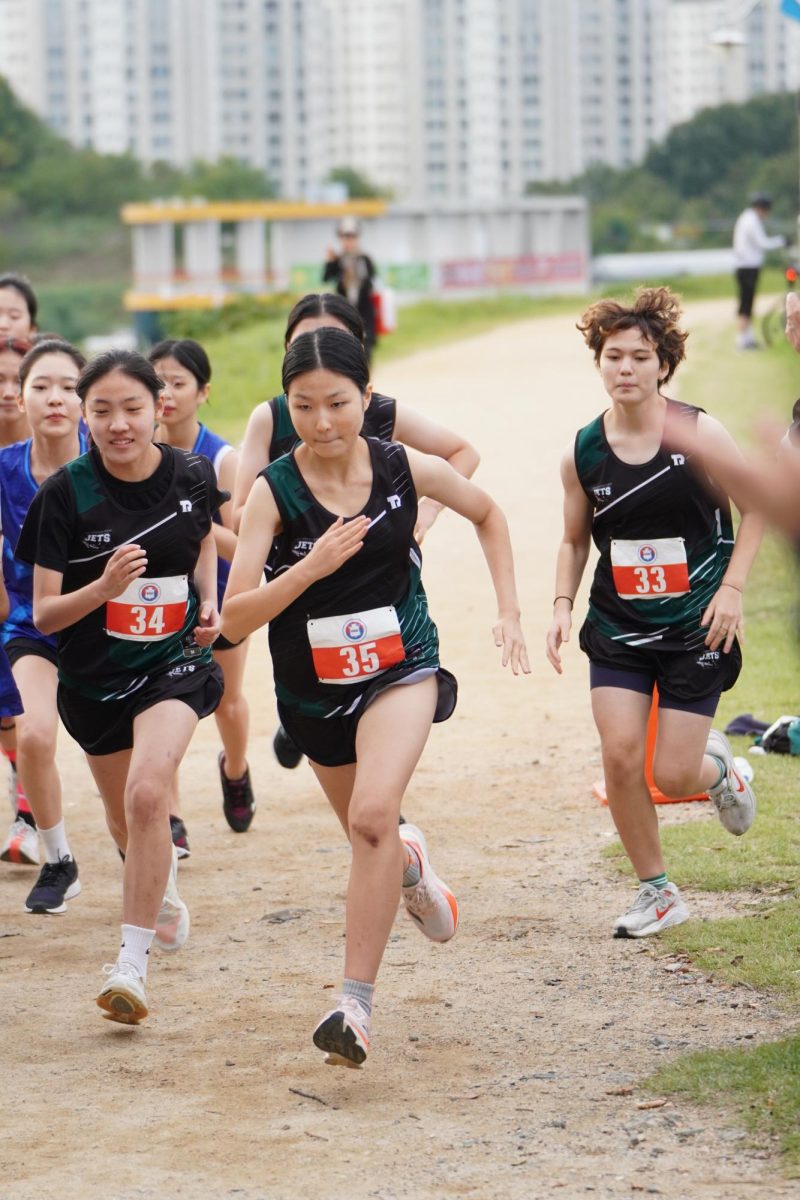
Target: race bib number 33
[
  {"x": 149, "y": 610},
  {"x": 356, "y": 646},
  {"x": 651, "y": 570}
]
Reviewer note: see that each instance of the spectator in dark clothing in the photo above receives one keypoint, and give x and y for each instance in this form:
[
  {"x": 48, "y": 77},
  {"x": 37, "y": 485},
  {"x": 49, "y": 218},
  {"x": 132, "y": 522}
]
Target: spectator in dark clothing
[{"x": 353, "y": 273}]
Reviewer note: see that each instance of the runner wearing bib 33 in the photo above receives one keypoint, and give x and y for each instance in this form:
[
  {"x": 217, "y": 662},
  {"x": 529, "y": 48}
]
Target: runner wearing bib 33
[
  {"x": 355, "y": 653},
  {"x": 126, "y": 575},
  {"x": 665, "y": 605}
]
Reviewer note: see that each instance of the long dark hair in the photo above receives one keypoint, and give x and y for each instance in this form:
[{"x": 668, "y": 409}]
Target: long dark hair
[
  {"x": 325, "y": 304},
  {"x": 189, "y": 353},
  {"x": 328, "y": 349},
  {"x": 127, "y": 362},
  {"x": 52, "y": 345}
]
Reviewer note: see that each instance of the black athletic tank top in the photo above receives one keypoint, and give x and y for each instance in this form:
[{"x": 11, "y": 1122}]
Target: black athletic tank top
[
  {"x": 76, "y": 521},
  {"x": 379, "y": 422},
  {"x": 639, "y": 513},
  {"x": 385, "y": 571}
]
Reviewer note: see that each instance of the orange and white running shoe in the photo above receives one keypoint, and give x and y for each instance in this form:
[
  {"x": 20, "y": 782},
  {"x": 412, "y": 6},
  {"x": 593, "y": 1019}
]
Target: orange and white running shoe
[
  {"x": 653, "y": 910},
  {"x": 22, "y": 844},
  {"x": 733, "y": 797},
  {"x": 343, "y": 1033},
  {"x": 430, "y": 903}
]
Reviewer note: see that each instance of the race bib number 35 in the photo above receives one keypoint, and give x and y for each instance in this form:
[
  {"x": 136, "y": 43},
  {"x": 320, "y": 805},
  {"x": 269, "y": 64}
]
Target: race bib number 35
[
  {"x": 650, "y": 570},
  {"x": 149, "y": 610},
  {"x": 357, "y": 646}
]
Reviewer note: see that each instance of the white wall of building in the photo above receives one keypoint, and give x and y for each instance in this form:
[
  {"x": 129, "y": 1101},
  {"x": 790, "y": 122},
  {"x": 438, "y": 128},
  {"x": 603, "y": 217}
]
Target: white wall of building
[{"x": 431, "y": 99}]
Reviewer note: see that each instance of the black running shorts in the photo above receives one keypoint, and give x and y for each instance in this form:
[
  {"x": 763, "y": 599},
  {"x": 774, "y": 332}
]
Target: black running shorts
[
  {"x": 689, "y": 680},
  {"x": 331, "y": 741},
  {"x": 106, "y": 726}
]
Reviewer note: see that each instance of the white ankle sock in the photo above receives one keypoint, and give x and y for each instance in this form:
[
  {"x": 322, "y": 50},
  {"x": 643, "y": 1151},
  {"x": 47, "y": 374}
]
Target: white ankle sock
[
  {"x": 135, "y": 947},
  {"x": 55, "y": 842}
]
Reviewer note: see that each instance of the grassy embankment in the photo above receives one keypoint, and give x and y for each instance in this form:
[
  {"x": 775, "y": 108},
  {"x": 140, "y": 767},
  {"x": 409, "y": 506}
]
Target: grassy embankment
[
  {"x": 247, "y": 361},
  {"x": 762, "y": 947}
]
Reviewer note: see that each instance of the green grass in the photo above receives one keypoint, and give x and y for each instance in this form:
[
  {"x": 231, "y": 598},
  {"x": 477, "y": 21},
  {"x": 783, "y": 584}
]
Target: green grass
[{"x": 761, "y": 1086}]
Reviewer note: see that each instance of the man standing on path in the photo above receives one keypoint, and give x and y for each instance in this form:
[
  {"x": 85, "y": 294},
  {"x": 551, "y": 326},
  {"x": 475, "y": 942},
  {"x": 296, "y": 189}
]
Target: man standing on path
[{"x": 750, "y": 243}]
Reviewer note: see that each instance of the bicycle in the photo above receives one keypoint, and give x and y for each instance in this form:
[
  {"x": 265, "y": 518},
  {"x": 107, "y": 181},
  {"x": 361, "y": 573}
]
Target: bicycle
[{"x": 773, "y": 322}]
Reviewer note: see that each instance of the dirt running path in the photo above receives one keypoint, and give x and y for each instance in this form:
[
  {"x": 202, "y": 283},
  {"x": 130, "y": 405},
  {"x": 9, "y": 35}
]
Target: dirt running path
[{"x": 501, "y": 1062}]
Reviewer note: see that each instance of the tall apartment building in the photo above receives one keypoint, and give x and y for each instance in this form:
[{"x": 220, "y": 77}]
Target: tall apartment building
[{"x": 431, "y": 99}]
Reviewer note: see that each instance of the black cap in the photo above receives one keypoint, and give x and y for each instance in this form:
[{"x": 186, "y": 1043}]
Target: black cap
[{"x": 760, "y": 200}]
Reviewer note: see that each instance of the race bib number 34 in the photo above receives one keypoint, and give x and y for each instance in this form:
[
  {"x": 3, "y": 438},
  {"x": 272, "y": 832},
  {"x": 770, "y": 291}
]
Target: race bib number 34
[
  {"x": 149, "y": 610},
  {"x": 650, "y": 570},
  {"x": 357, "y": 646}
]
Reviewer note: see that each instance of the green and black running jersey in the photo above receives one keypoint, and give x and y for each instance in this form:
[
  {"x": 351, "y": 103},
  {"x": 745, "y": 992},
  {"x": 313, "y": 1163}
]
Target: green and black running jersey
[
  {"x": 78, "y": 518},
  {"x": 384, "y": 572},
  {"x": 665, "y": 538},
  {"x": 379, "y": 420}
]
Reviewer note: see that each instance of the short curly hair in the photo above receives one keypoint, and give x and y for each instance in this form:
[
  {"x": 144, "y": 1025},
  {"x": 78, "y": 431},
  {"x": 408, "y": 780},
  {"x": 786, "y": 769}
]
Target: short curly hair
[{"x": 655, "y": 312}]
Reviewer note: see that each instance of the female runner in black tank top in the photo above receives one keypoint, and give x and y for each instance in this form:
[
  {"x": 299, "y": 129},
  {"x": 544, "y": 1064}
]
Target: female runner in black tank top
[
  {"x": 666, "y": 599},
  {"x": 270, "y": 433},
  {"x": 355, "y": 653},
  {"x": 126, "y": 573}
]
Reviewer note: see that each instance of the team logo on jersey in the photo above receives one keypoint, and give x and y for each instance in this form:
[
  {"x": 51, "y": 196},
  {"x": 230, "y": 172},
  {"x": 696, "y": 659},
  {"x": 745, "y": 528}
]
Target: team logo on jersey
[
  {"x": 97, "y": 541},
  {"x": 302, "y": 547},
  {"x": 354, "y": 629},
  {"x": 648, "y": 554},
  {"x": 149, "y": 593},
  {"x": 602, "y": 492},
  {"x": 394, "y": 501},
  {"x": 709, "y": 659},
  {"x": 186, "y": 506}
]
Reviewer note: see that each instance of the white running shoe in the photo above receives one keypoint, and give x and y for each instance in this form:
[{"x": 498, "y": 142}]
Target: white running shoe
[
  {"x": 429, "y": 903},
  {"x": 172, "y": 922},
  {"x": 733, "y": 797},
  {"x": 343, "y": 1033},
  {"x": 22, "y": 844},
  {"x": 122, "y": 998},
  {"x": 653, "y": 910}
]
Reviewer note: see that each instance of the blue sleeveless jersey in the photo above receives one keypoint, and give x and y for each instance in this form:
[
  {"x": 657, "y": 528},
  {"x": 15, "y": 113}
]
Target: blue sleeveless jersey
[
  {"x": 216, "y": 448},
  {"x": 17, "y": 489}
]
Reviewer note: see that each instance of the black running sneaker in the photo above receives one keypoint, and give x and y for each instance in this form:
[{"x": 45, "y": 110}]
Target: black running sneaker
[
  {"x": 238, "y": 804},
  {"x": 179, "y": 837},
  {"x": 57, "y": 883},
  {"x": 287, "y": 753}
]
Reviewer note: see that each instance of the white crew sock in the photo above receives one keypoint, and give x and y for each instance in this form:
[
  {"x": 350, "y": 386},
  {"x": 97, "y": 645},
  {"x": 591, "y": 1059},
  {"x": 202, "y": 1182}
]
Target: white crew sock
[
  {"x": 55, "y": 842},
  {"x": 135, "y": 947}
]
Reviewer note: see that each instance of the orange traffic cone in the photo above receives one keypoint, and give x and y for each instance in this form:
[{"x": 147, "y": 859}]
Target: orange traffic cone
[{"x": 599, "y": 787}]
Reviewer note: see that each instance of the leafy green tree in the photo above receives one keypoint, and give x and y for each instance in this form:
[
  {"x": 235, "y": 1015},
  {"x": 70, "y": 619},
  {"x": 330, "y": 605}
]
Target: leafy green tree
[{"x": 359, "y": 187}]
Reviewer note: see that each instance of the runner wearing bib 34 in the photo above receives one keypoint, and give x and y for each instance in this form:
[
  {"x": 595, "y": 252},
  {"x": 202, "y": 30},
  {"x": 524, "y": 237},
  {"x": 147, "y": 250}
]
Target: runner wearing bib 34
[
  {"x": 355, "y": 653},
  {"x": 665, "y": 605},
  {"x": 125, "y": 574}
]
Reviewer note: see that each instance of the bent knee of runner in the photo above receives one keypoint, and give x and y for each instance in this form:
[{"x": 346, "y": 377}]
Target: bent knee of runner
[
  {"x": 675, "y": 779},
  {"x": 36, "y": 742},
  {"x": 371, "y": 825},
  {"x": 623, "y": 761},
  {"x": 146, "y": 803}
]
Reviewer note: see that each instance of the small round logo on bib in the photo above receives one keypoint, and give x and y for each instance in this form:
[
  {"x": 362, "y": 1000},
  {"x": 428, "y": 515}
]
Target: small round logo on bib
[
  {"x": 149, "y": 592},
  {"x": 647, "y": 554},
  {"x": 354, "y": 630}
]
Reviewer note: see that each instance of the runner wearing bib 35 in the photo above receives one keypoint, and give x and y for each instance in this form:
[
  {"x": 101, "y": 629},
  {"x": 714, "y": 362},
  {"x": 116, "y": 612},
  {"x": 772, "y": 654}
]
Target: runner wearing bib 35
[
  {"x": 125, "y": 574},
  {"x": 355, "y": 653},
  {"x": 270, "y": 433},
  {"x": 665, "y": 605}
]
